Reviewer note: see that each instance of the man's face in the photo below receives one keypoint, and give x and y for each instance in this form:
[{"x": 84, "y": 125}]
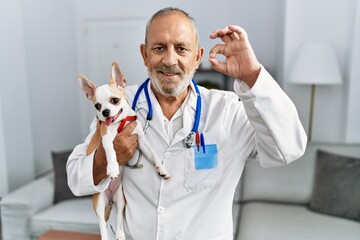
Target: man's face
[{"x": 171, "y": 54}]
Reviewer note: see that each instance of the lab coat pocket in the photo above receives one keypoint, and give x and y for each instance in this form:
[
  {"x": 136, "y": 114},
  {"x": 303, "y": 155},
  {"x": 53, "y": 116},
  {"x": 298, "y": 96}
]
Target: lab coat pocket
[{"x": 202, "y": 167}]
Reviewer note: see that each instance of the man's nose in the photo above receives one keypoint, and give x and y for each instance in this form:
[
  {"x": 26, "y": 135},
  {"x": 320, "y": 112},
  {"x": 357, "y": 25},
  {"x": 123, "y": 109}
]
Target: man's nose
[{"x": 170, "y": 57}]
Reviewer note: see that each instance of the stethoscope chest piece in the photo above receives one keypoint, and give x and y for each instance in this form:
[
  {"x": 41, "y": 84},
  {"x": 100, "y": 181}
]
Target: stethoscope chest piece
[
  {"x": 137, "y": 165},
  {"x": 188, "y": 141}
]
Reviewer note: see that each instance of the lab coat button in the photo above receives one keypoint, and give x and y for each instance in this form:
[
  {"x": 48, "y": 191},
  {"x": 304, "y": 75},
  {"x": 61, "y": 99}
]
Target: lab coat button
[
  {"x": 160, "y": 210},
  {"x": 167, "y": 154}
]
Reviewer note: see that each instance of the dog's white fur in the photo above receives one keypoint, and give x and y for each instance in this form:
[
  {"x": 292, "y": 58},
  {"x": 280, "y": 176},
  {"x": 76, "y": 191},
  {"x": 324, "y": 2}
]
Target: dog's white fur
[{"x": 104, "y": 98}]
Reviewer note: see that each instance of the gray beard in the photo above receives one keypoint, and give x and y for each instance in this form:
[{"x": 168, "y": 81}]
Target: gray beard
[{"x": 174, "y": 92}]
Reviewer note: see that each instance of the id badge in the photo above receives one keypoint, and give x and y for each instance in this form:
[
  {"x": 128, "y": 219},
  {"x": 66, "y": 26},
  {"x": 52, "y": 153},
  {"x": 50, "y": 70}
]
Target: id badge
[{"x": 207, "y": 159}]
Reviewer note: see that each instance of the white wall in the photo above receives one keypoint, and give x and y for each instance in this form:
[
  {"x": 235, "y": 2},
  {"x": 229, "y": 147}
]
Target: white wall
[
  {"x": 38, "y": 85},
  {"x": 4, "y": 187},
  {"x": 331, "y": 22},
  {"x": 353, "y": 109},
  {"x": 243, "y": 12},
  {"x": 51, "y": 71},
  {"x": 14, "y": 94}
]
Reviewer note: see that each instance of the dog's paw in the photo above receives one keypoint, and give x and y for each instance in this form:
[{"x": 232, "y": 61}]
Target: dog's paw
[
  {"x": 164, "y": 175},
  {"x": 112, "y": 171},
  {"x": 120, "y": 235},
  {"x": 113, "y": 174},
  {"x": 162, "y": 172}
]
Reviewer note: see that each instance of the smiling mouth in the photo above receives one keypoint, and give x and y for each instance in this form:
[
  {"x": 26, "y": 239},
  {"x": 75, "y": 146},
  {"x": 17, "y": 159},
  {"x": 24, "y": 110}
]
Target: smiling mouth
[
  {"x": 110, "y": 120},
  {"x": 169, "y": 73}
]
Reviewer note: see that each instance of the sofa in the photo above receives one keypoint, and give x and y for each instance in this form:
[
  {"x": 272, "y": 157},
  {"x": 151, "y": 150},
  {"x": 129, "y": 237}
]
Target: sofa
[
  {"x": 301, "y": 201},
  {"x": 273, "y": 203}
]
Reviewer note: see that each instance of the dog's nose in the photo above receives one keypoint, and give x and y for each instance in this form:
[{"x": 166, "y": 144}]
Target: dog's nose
[{"x": 106, "y": 113}]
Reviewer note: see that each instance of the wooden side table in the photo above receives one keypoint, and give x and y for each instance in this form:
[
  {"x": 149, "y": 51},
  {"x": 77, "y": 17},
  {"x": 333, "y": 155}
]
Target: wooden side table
[{"x": 64, "y": 235}]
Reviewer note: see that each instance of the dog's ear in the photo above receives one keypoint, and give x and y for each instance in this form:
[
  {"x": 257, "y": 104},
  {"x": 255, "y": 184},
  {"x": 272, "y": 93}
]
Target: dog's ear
[
  {"x": 117, "y": 76},
  {"x": 87, "y": 86}
]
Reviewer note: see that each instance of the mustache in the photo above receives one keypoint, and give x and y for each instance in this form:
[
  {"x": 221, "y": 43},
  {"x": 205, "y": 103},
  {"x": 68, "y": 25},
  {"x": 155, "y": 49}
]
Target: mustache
[{"x": 169, "y": 69}]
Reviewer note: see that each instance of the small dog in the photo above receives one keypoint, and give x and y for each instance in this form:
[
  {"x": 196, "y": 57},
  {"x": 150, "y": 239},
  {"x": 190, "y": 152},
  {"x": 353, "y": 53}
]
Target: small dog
[{"x": 113, "y": 111}]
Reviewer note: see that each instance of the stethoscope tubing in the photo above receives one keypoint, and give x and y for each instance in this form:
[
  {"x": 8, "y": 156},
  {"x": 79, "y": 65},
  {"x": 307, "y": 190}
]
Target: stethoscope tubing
[{"x": 189, "y": 139}]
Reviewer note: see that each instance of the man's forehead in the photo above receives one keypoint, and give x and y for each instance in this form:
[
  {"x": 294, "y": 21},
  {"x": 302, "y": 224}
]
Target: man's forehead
[
  {"x": 171, "y": 19},
  {"x": 175, "y": 26}
]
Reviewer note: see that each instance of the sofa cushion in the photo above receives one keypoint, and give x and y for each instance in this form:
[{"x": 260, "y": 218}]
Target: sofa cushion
[
  {"x": 278, "y": 184},
  {"x": 69, "y": 215},
  {"x": 336, "y": 187},
  {"x": 292, "y": 183},
  {"x": 272, "y": 221},
  {"x": 62, "y": 190}
]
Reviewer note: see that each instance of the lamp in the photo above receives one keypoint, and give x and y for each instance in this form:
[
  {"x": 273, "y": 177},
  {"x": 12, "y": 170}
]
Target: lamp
[{"x": 315, "y": 64}]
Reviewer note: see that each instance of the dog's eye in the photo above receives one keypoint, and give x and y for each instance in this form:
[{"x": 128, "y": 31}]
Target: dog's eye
[
  {"x": 98, "y": 106},
  {"x": 114, "y": 100}
]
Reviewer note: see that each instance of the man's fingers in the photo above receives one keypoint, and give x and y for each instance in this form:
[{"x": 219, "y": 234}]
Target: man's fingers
[
  {"x": 133, "y": 138},
  {"x": 233, "y": 31},
  {"x": 217, "y": 49},
  {"x": 130, "y": 141},
  {"x": 125, "y": 145},
  {"x": 226, "y": 39},
  {"x": 219, "y": 33},
  {"x": 238, "y": 30},
  {"x": 129, "y": 128},
  {"x": 217, "y": 65},
  {"x": 234, "y": 36}
]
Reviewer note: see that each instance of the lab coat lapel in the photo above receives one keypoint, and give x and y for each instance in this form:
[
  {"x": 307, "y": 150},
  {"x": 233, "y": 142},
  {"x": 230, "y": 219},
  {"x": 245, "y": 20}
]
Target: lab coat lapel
[
  {"x": 188, "y": 117},
  {"x": 157, "y": 122}
]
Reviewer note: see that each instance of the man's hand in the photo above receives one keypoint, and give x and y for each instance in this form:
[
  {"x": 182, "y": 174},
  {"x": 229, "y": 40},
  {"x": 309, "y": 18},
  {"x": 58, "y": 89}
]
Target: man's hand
[
  {"x": 241, "y": 61},
  {"x": 125, "y": 144}
]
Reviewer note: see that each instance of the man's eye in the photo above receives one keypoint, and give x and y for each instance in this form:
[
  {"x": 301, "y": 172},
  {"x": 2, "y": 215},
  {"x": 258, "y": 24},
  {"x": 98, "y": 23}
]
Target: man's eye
[
  {"x": 182, "y": 49},
  {"x": 114, "y": 100},
  {"x": 98, "y": 106},
  {"x": 158, "y": 49}
]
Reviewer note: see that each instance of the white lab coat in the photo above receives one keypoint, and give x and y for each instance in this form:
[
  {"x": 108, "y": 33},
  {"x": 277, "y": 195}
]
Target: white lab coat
[{"x": 197, "y": 204}]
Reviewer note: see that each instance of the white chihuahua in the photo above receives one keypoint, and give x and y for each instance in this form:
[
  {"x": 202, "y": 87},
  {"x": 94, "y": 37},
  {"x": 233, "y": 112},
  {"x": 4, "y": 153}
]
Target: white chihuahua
[{"x": 113, "y": 111}]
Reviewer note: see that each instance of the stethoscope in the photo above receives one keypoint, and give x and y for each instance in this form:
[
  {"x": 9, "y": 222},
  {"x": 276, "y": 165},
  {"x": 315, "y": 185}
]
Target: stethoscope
[{"x": 188, "y": 140}]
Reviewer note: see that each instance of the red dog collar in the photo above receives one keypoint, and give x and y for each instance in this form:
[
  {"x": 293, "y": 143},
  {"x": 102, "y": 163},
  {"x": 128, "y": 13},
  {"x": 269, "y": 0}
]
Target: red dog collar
[{"x": 124, "y": 121}]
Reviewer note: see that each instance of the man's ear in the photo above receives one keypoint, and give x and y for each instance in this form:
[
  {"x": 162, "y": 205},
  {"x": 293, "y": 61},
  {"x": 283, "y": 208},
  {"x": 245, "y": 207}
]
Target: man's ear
[
  {"x": 199, "y": 56},
  {"x": 143, "y": 50}
]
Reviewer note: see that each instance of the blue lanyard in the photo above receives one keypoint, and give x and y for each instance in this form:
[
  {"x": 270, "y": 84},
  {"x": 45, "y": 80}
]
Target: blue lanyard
[{"x": 190, "y": 137}]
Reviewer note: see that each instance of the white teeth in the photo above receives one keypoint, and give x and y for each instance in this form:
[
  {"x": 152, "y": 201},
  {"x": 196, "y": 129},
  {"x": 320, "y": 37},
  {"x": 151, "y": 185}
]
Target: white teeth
[{"x": 169, "y": 74}]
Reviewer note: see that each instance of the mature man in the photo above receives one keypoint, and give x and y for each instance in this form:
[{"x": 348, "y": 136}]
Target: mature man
[{"x": 196, "y": 202}]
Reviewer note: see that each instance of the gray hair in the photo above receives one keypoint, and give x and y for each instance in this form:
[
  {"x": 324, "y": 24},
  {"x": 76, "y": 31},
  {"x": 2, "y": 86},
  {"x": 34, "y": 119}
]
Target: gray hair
[{"x": 167, "y": 11}]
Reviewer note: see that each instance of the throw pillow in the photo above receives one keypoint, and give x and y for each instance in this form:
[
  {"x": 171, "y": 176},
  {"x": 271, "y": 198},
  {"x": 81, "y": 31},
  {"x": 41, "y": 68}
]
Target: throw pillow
[
  {"x": 62, "y": 190},
  {"x": 337, "y": 186}
]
